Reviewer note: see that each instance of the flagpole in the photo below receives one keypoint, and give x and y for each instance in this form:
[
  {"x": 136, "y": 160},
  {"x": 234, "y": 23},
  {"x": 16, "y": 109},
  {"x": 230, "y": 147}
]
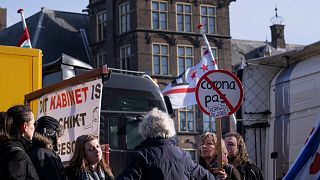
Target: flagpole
[
  {"x": 20, "y": 11},
  {"x": 206, "y": 42},
  {"x": 25, "y": 28}
]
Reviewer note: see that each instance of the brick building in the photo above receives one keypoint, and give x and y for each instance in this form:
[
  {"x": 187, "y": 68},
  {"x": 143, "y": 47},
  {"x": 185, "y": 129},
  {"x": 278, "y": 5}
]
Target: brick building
[
  {"x": 3, "y": 18},
  {"x": 161, "y": 38}
]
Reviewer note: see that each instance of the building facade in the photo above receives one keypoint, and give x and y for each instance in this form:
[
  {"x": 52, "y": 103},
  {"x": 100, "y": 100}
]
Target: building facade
[{"x": 161, "y": 38}]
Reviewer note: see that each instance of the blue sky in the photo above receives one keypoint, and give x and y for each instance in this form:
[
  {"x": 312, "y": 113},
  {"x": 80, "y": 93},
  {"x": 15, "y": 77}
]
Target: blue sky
[{"x": 249, "y": 19}]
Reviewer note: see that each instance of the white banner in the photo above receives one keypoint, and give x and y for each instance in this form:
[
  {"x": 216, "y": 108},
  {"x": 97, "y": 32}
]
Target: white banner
[{"x": 77, "y": 108}]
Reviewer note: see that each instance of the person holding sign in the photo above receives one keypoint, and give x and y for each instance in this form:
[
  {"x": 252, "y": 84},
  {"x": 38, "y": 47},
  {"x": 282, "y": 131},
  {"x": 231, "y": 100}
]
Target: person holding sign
[
  {"x": 239, "y": 157},
  {"x": 17, "y": 126},
  {"x": 157, "y": 157},
  {"x": 87, "y": 162},
  {"x": 44, "y": 147},
  {"x": 208, "y": 158}
]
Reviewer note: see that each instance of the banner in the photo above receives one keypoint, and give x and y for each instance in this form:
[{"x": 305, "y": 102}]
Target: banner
[{"x": 77, "y": 108}]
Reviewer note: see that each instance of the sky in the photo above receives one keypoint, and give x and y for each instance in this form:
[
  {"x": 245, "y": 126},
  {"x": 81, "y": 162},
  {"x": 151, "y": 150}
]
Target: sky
[{"x": 249, "y": 19}]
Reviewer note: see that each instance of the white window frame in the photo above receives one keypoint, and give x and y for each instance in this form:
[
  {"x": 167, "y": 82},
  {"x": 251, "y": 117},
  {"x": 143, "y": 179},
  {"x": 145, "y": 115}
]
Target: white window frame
[
  {"x": 195, "y": 153},
  {"x": 184, "y": 57},
  {"x": 125, "y": 55},
  {"x": 184, "y": 14},
  {"x": 186, "y": 110},
  {"x": 101, "y": 59},
  {"x": 124, "y": 17},
  {"x": 159, "y": 12},
  {"x": 207, "y": 18},
  {"x": 160, "y": 58},
  {"x": 101, "y": 25}
]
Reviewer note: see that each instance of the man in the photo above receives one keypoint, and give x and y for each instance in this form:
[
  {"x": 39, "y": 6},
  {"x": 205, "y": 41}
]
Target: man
[
  {"x": 239, "y": 158},
  {"x": 157, "y": 157}
]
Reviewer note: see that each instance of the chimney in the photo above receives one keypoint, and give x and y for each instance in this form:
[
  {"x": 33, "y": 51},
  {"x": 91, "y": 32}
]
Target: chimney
[
  {"x": 3, "y": 18},
  {"x": 277, "y": 31},
  {"x": 277, "y": 36}
]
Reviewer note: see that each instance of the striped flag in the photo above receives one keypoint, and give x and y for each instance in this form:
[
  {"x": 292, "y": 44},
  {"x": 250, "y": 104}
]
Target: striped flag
[
  {"x": 181, "y": 91},
  {"x": 25, "y": 38},
  {"x": 307, "y": 164}
]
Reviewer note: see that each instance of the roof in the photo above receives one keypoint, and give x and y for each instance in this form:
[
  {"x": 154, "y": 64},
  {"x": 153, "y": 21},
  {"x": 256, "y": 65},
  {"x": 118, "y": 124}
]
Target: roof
[
  {"x": 289, "y": 57},
  {"x": 54, "y": 32},
  {"x": 247, "y": 49}
]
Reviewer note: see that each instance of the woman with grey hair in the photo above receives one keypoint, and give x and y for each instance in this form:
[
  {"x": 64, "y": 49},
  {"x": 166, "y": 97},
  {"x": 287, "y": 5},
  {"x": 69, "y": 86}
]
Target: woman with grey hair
[{"x": 157, "y": 157}]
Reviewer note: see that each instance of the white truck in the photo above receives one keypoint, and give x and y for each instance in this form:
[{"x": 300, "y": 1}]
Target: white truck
[{"x": 281, "y": 105}]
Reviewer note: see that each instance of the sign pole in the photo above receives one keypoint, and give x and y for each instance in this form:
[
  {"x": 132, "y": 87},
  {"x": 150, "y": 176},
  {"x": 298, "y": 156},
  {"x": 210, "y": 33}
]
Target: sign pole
[{"x": 219, "y": 146}]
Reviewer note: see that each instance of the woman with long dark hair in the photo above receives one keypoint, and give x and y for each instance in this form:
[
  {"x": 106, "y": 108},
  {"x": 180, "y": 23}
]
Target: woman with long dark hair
[{"x": 17, "y": 126}]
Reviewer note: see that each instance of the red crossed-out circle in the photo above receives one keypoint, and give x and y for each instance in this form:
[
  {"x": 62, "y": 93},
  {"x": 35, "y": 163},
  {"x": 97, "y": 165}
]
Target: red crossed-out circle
[{"x": 232, "y": 106}]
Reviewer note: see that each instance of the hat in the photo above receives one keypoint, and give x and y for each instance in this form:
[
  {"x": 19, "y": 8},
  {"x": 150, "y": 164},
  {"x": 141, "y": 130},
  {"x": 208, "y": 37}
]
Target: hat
[{"x": 48, "y": 123}]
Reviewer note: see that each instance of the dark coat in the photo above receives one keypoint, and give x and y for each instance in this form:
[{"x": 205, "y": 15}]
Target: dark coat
[
  {"x": 231, "y": 171},
  {"x": 46, "y": 162},
  {"x": 14, "y": 161},
  {"x": 161, "y": 159},
  {"x": 249, "y": 171},
  {"x": 74, "y": 173}
]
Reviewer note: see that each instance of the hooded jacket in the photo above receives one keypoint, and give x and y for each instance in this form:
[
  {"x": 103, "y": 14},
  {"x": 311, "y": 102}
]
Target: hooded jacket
[
  {"x": 14, "y": 161},
  {"x": 161, "y": 159},
  {"x": 46, "y": 162}
]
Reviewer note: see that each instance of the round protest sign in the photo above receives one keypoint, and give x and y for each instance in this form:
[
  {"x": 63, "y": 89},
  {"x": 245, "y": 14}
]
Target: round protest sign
[{"x": 219, "y": 93}]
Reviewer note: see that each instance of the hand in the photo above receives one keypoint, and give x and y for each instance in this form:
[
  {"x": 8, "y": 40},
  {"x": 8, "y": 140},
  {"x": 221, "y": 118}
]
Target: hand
[{"x": 220, "y": 174}]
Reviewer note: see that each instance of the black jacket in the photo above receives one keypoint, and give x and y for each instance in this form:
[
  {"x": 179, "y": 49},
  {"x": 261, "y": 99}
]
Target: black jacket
[
  {"x": 160, "y": 159},
  {"x": 46, "y": 162},
  {"x": 14, "y": 161},
  {"x": 249, "y": 171},
  {"x": 231, "y": 171}
]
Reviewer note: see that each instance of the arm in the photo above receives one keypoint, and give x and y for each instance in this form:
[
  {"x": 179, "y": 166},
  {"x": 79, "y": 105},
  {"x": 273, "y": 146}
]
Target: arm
[
  {"x": 133, "y": 170},
  {"x": 198, "y": 172},
  {"x": 20, "y": 166}
]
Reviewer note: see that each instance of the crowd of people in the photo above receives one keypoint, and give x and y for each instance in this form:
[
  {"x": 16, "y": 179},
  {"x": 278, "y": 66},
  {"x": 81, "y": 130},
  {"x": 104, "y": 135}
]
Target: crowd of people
[{"x": 28, "y": 150}]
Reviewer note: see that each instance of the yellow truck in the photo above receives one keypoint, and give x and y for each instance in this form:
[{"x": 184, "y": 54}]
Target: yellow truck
[{"x": 21, "y": 73}]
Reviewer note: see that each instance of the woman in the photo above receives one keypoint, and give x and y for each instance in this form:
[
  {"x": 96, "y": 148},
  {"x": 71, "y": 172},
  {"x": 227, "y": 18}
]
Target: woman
[
  {"x": 239, "y": 158},
  {"x": 44, "y": 144},
  {"x": 208, "y": 157},
  {"x": 86, "y": 162},
  {"x": 16, "y": 132}
]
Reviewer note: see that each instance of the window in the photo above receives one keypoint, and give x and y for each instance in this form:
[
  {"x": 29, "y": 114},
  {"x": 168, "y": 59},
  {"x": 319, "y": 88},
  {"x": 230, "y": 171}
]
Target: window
[
  {"x": 101, "y": 59},
  {"x": 125, "y": 53},
  {"x": 187, "y": 119},
  {"x": 101, "y": 26},
  {"x": 193, "y": 153},
  {"x": 208, "y": 125},
  {"x": 124, "y": 14},
  {"x": 208, "y": 18},
  {"x": 159, "y": 15},
  {"x": 160, "y": 59},
  {"x": 214, "y": 52},
  {"x": 184, "y": 14},
  {"x": 185, "y": 58}
]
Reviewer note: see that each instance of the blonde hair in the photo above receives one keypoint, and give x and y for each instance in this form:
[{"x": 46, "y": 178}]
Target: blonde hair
[
  {"x": 79, "y": 159},
  {"x": 213, "y": 137}
]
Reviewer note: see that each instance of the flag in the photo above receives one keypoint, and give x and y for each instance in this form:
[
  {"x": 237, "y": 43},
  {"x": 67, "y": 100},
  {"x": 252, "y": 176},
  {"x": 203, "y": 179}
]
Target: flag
[
  {"x": 25, "y": 38},
  {"x": 307, "y": 164},
  {"x": 181, "y": 91}
]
